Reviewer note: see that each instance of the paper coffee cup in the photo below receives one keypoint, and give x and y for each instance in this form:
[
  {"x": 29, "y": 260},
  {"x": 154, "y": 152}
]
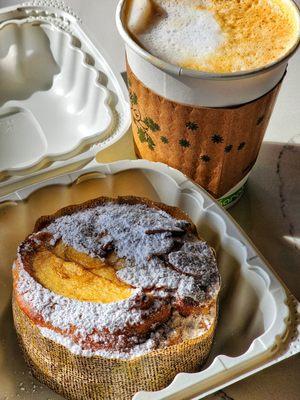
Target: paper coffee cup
[{"x": 209, "y": 126}]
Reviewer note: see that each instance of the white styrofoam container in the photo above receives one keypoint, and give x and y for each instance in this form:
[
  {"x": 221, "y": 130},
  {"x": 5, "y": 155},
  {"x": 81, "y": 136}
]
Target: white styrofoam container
[
  {"x": 61, "y": 102},
  {"x": 258, "y": 317}
]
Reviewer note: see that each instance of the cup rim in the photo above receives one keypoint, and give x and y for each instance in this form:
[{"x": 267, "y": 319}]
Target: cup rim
[{"x": 186, "y": 72}]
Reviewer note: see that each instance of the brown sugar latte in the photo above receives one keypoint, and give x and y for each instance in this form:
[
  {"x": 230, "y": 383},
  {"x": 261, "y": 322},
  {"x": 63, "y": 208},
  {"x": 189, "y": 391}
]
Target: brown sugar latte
[{"x": 215, "y": 35}]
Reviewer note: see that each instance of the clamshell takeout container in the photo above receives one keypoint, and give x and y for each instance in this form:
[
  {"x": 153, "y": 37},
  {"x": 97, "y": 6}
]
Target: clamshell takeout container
[
  {"x": 258, "y": 323},
  {"x": 258, "y": 316},
  {"x": 60, "y": 100}
]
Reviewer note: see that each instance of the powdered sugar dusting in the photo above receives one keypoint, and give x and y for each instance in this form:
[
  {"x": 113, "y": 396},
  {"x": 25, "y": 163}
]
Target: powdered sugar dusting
[
  {"x": 143, "y": 236},
  {"x": 186, "y": 328},
  {"x": 196, "y": 259},
  {"x": 64, "y": 313},
  {"x": 130, "y": 228},
  {"x": 164, "y": 262}
]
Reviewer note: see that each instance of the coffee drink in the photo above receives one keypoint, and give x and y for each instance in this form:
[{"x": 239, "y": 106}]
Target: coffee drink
[
  {"x": 215, "y": 35},
  {"x": 208, "y": 126}
]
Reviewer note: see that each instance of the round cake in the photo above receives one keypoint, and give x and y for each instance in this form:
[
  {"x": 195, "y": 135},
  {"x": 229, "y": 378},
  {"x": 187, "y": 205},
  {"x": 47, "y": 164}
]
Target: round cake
[{"x": 114, "y": 296}]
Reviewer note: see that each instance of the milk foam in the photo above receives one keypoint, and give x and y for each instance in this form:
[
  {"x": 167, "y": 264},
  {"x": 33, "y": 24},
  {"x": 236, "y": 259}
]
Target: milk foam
[
  {"x": 182, "y": 32},
  {"x": 217, "y": 35}
]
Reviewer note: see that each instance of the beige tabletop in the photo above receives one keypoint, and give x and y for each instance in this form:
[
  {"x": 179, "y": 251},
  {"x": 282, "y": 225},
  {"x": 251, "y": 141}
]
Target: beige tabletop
[{"x": 269, "y": 212}]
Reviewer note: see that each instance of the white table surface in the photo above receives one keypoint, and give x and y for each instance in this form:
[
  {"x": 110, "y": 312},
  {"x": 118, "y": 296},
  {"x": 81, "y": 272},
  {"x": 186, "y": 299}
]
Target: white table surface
[{"x": 269, "y": 212}]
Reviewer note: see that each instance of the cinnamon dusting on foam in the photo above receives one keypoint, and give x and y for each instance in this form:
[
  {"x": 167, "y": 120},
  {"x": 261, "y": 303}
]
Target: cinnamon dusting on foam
[{"x": 221, "y": 36}]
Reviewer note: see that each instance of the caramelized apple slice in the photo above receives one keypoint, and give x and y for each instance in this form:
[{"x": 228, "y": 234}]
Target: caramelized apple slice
[{"x": 69, "y": 273}]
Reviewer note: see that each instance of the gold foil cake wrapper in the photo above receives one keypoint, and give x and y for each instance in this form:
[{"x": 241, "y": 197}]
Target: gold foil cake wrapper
[
  {"x": 216, "y": 147},
  {"x": 98, "y": 378}
]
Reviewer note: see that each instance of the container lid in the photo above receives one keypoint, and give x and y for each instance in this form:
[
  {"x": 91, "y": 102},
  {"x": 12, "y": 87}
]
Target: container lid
[{"x": 61, "y": 101}]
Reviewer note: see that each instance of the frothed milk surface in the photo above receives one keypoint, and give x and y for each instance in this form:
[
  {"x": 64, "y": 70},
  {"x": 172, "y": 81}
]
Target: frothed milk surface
[{"x": 216, "y": 35}]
